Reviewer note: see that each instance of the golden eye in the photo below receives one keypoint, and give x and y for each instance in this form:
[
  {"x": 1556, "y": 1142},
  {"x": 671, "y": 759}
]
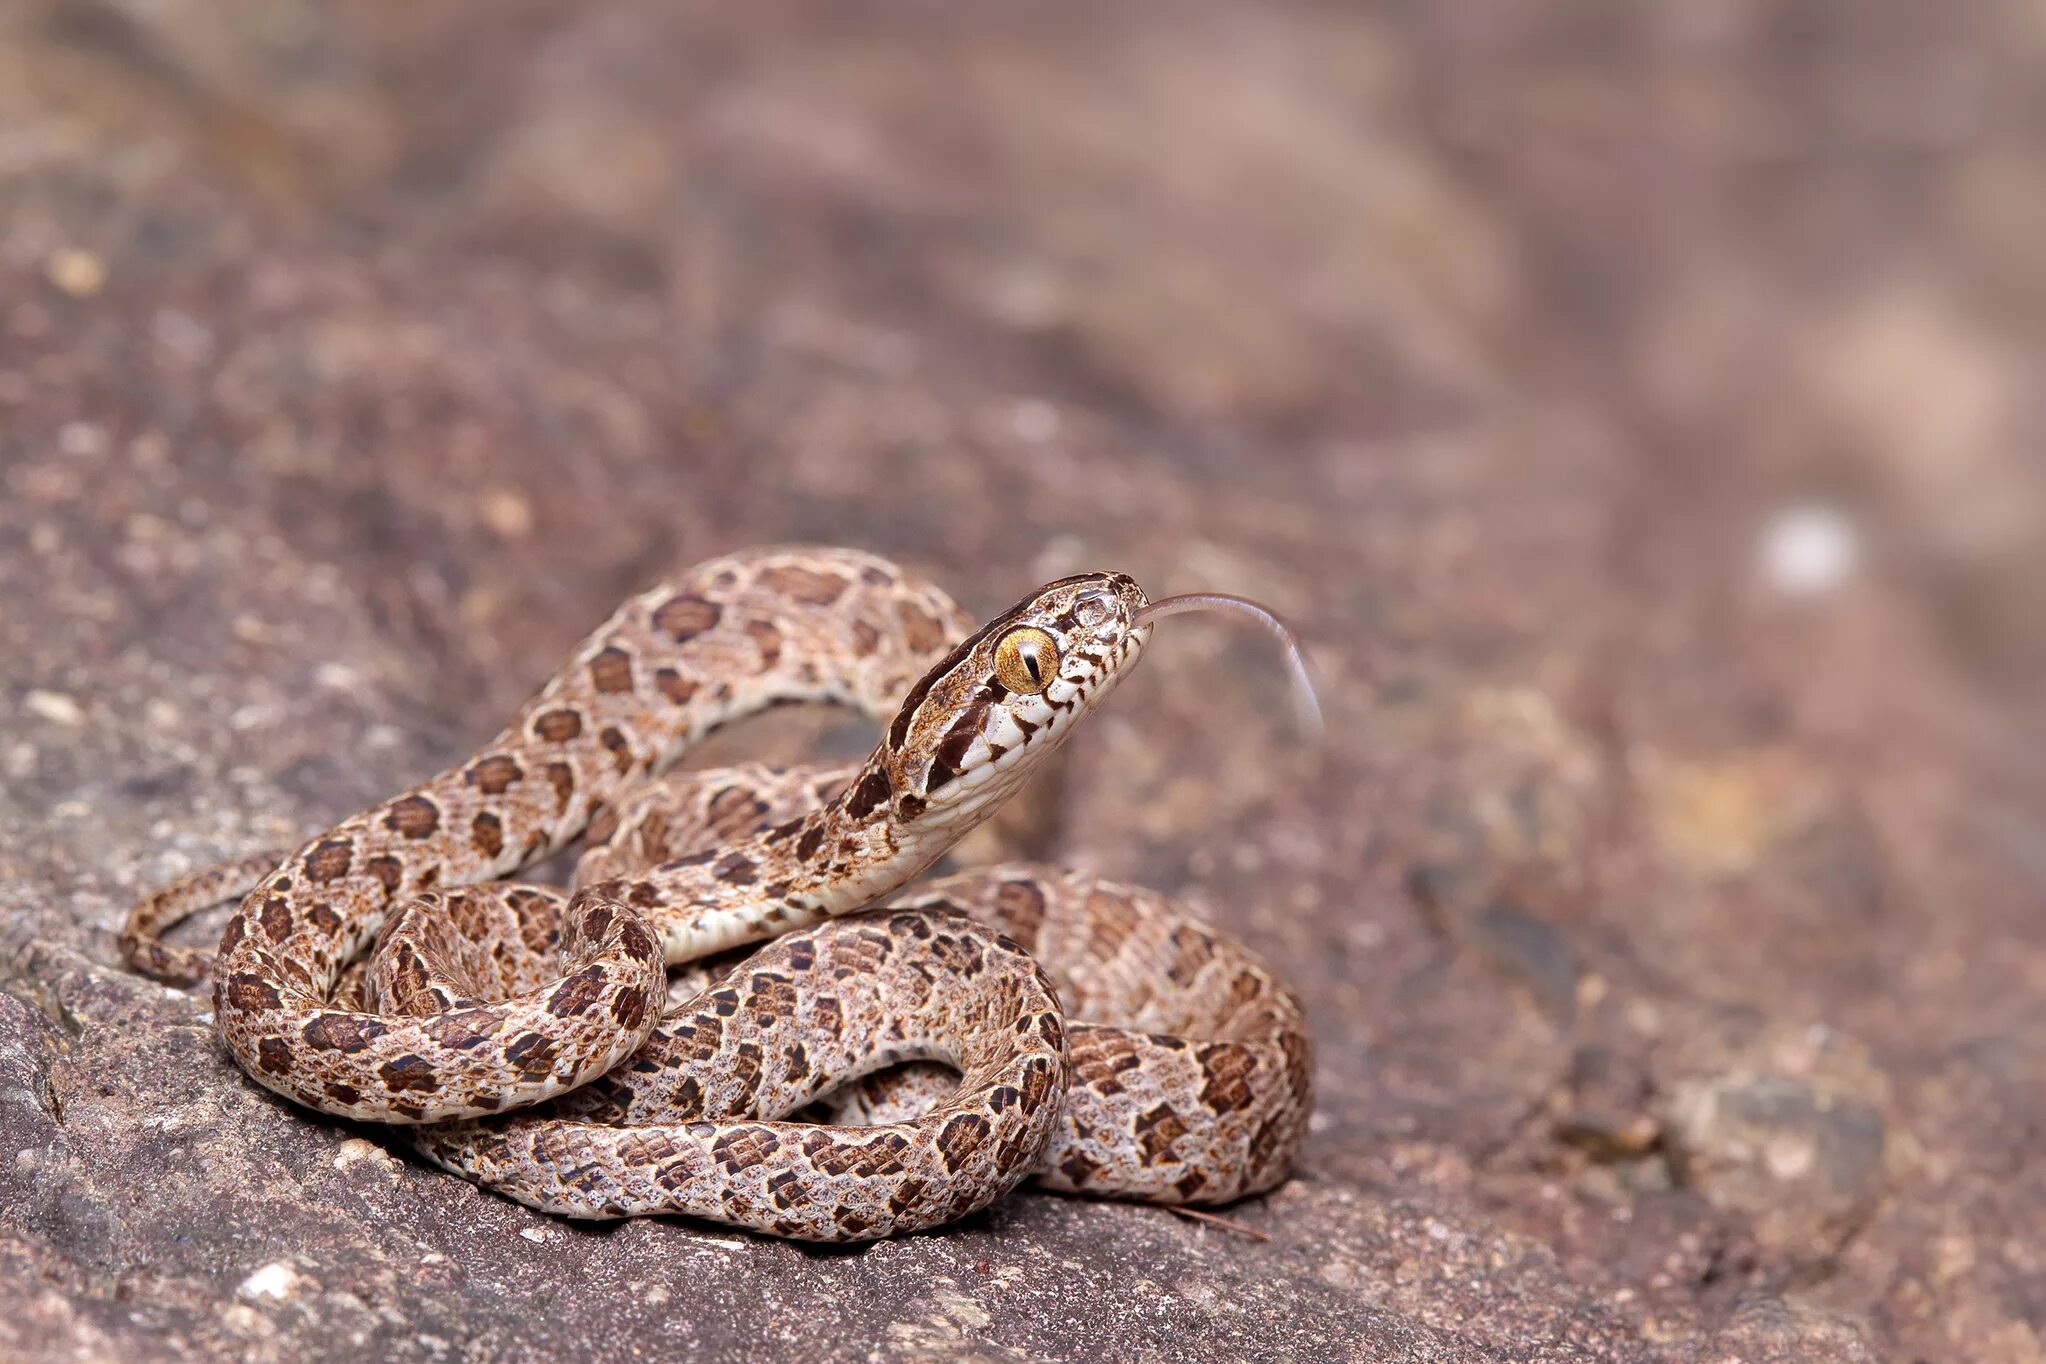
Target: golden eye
[{"x": 1026, "y": 660}]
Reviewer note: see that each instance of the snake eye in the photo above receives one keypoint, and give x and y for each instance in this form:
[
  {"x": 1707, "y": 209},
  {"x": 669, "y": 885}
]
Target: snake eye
[{"x": 1026, "y": 660}]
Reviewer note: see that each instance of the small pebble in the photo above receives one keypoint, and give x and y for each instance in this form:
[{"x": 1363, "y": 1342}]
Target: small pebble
[
  {"x": 1808, "y": 551},
  {"x": 507, "y": 512},
  {"x": 78, "y": 273},
  {"x": 275, "y": 1282},
  {"x": 337, "y": 677},
  {"x": 54, "y": 706},
  {"x": 355, "y": 1149}
]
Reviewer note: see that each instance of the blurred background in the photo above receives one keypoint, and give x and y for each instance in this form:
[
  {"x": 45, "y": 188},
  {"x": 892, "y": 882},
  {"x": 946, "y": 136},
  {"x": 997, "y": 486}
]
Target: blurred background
[{"x": 1638, "y": 407}]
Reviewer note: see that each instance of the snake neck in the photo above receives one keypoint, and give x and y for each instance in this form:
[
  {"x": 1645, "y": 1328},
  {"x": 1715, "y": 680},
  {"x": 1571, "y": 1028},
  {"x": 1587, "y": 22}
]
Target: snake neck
[
  {"x": 861, "y": 847},
  {"x": 892, "y": 821},
  {"x": 846, "y": 855}
]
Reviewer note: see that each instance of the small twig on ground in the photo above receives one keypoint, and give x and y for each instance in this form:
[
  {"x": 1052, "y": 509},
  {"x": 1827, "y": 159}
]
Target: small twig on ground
[{"x": 1226, "y": 1224}]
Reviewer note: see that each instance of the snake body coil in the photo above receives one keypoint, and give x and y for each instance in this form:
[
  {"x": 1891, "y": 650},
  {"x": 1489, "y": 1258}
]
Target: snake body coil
[{"x": 1183, "y": 1076}]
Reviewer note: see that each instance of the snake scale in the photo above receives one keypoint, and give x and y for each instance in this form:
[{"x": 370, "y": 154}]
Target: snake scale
[{"x": 869, "y": 1070}]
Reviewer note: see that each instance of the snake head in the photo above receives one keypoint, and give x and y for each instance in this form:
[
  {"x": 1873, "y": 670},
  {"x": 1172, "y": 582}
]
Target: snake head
[{"x": 975, "y": 725}]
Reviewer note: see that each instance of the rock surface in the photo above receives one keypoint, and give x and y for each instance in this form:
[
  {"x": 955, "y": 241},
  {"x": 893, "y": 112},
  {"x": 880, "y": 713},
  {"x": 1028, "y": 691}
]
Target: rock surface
[{"x": 1635, "y": 405}]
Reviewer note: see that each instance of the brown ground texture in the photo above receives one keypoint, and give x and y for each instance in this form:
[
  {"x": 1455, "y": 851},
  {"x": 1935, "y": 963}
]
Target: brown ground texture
[{"x": 1667, "y": 905}]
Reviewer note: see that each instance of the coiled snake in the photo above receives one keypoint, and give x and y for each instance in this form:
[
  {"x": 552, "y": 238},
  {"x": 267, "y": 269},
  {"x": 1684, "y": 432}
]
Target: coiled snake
[{"x": 1183, "y": 1076}]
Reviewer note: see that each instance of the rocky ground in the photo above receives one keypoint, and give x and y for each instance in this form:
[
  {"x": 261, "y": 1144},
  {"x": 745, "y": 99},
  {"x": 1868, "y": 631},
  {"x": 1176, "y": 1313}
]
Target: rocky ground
[{"x": 1636, "y": 405}]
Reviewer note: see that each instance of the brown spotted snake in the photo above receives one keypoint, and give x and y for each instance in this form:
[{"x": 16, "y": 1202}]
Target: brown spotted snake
[{"x": 868, "y": 1070}]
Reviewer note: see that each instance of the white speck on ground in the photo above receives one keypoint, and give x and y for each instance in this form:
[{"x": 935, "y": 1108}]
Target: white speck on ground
[
  {"x": 54, "y": 706},
  {"x": 1807, "y": 551},
  {"x": 275, "y": 1281}
]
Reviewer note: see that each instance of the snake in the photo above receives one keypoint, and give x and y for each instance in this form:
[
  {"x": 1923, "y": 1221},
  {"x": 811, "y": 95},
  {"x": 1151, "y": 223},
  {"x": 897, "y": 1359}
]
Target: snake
[{"x": 741, "y": 1009}]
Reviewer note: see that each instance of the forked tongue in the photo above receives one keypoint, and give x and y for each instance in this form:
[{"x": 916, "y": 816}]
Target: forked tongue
[{"x": 1305, "y": 706}]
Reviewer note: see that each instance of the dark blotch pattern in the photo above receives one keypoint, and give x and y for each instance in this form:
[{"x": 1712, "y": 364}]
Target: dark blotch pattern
[
  {"x": 674, "y": 685},
  {"x": 767, "y": 640},
  {"x": 1078, "y": 1167},
  {"x": 1192, "y": 951},
  {"x": 611, "y": 670},
  {"x": 683, "y": 618},
  {"x": 250, "y": 993},
  {"x": 741, "y": 1148},
  {"x": 329, "y": 860},
  {"x": 922, "y": 629},
  {"x": 1113, "y": 920},
  {"x": 561, "y": 777},
  {"x": 811, "y": 587},
  {"x": 629, "y": 1007},
  {"x": 412, "y": 817},
  {"x": 557, "y": 726},
  {"x": 1155, "y": 1130},
  {"x": 347, "y": 1033},
  {"x": 1019, "y": 909},
  {"x": 533, "y": 1053},
  {"x": 388, "y": 873},
  {"x": 1227, "y": 1068},
  {"x": 637, "y": 940},
  {"x": 949, "y": 760},
  {"x": 275, "y": 917},
  {"x": 464, "y": 1029},
  {"x": 576, "y": 994},
  {"x": 409, "y": 1075},
  {"x": 870, "y": 794},
  {"x": 495, "y": 775},
  {"x": 960, "y": 1138}
]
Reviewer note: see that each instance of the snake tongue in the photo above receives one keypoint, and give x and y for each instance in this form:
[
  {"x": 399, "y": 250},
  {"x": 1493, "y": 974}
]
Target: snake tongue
[{"x": 1306, "y": 706}]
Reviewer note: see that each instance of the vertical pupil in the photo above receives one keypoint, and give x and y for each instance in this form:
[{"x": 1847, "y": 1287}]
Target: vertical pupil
[{"x": 1030, "y": 663}]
